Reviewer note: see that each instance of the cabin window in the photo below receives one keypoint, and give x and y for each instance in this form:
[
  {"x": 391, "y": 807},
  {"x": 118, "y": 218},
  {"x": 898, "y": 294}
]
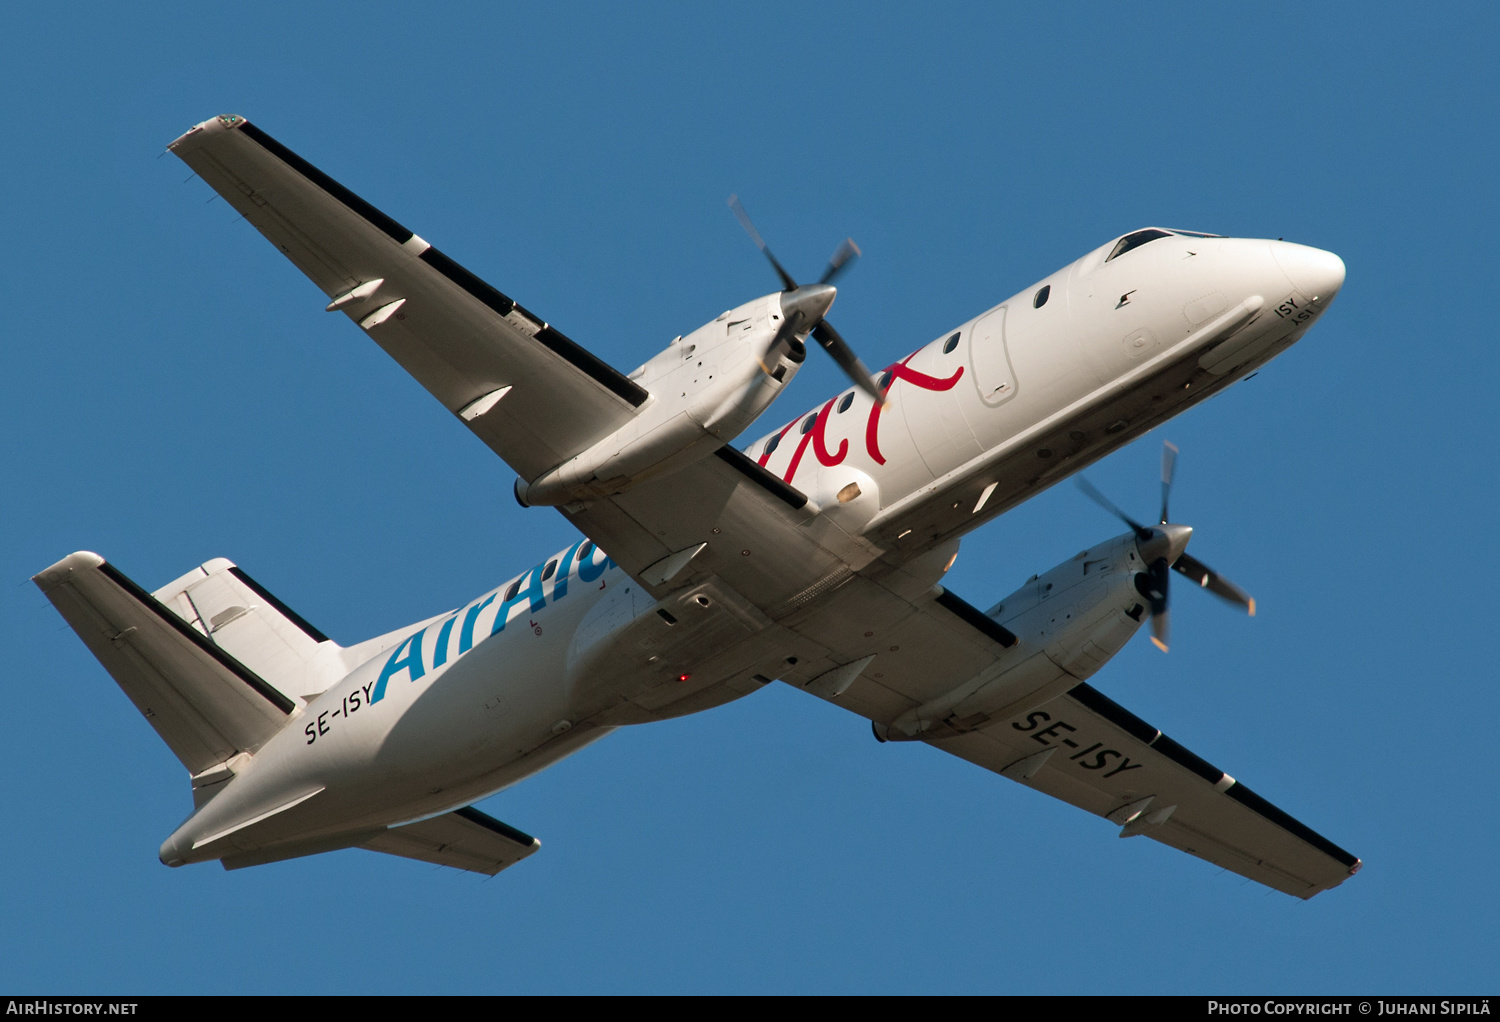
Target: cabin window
[
  {"x": 1135, "y": 240},
  {"x": 950, "y": 344},
  {"x": 772, "y": 443},
  {"x": 515, "y": 587},
  {"x": 1041, "y": 297},
  {"x": 549, "y": 569},
  {"x": 885, "y": 381},
  {"x": 586, "y": 551},
  {"x": 807, "y": 423},
  {"x": 844, "y": 404}
]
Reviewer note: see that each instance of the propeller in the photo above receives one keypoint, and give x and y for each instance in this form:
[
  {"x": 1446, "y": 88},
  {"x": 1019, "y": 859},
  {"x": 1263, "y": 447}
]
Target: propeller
[
  {"x": 805, "y": 305},
  {"x": 1163, "y": 548}
]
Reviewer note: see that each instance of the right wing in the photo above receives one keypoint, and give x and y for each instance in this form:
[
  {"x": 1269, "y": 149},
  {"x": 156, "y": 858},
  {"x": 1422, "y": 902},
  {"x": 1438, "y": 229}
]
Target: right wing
[
  {"x": 464, "y": 839},
  {"x": 532, "y": 395}
]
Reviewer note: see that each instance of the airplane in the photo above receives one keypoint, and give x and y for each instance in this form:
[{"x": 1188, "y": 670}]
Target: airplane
[{"x": 814, "y": 556}]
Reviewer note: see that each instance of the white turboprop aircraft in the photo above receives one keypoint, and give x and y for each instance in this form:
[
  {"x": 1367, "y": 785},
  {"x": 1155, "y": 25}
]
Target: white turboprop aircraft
[{"x": 813, "y": 557}]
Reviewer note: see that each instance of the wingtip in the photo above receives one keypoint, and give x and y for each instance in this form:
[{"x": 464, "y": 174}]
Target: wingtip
[
  {"x": 223, "y": 122},
  {"x": 55, "y": 574}
]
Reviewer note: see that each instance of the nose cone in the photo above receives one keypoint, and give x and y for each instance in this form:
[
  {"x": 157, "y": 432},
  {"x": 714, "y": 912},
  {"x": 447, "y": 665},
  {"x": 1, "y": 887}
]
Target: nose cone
[
  {"x": 1316, "y": 273},
  {"x": 808, "y": 304},
  {"x": 1167, "y": 541},
  {"x": 1177, "y": 540}
]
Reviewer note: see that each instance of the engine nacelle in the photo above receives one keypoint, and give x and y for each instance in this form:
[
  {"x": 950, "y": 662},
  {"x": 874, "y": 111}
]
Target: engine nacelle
[
  {"x": 705, "y": 389},
  {"x": 1070, "y": 622}
]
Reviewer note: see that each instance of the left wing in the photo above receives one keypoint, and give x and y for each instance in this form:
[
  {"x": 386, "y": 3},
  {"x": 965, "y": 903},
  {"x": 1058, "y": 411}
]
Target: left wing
[
  {"x": 1097, "y": 755},
  {"x": 1079, "y": 745},
  {"x": 464, "y": 839}
]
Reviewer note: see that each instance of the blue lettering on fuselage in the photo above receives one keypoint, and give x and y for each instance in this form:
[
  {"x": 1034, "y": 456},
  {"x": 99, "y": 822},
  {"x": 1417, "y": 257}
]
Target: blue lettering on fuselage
[
  {"x": 412, "y": 662},
  {"x": 440, "y": 652},
  {"x": 466, "y": 634},
  {"x": 408, "y": 655},
  {"x": 532, "y": 592}
]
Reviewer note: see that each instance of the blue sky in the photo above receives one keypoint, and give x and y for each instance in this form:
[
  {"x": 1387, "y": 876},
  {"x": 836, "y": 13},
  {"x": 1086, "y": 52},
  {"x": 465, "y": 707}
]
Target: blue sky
[{"x": 174, "y": 392}]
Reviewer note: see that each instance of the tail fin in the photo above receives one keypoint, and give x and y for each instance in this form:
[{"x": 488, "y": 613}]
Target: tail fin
[
  {"x": 206, "y": 704},
  {"x": 215, "y": 663}
]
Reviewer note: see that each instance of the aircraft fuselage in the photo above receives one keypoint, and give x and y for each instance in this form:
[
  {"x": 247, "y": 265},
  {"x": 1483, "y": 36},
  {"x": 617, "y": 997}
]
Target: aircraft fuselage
[{"x": 982, "y": 417}]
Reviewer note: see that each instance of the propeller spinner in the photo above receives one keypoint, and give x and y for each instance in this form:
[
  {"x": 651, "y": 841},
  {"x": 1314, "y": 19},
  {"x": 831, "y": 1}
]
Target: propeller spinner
[
  {"x": 805, "y": 305},
  {"x": 1163, "y": 548}
]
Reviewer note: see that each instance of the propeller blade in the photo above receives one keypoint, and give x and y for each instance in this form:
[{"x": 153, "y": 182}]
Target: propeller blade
[
  {"x": 848, "y": 361},
  {"x": 843, "y": 258},
  {"x": 1155, "y": 585},
  {"x": 1142, "y": 533},
  {"x": 1215, "y": 583},
  {"x": 1168, "y": 469},
  {"x": 1161, "y": 630},
  {"x": 760, "y": 243}
]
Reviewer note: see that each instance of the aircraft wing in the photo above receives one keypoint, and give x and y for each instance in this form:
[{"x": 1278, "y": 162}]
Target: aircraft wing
[
  {"x": 1080, "y": 746},
  {"x": 464, "y": 839},
  {"x": 529, "y": 392},
  {"x": 1088, "y": 750}
]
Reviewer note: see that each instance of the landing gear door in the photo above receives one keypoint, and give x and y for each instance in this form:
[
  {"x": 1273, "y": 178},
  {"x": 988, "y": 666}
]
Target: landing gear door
[{"x": 991, "y": 361}]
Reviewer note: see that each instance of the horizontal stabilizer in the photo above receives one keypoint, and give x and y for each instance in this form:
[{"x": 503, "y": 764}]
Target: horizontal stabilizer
[
  {"x": 219, "y": 600},
  {"x": 203, "y": 702},
  {"x": 464, "y": 839}
]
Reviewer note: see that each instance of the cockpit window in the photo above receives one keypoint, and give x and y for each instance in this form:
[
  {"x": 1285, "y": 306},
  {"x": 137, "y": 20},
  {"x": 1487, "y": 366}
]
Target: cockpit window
[
  {"x": 1041, "y": 296},
  {"x": 1136, "y": 240}
]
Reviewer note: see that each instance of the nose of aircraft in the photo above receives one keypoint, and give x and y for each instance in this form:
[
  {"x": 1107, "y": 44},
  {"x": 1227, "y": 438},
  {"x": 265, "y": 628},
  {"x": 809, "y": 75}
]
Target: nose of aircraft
[{"x": 1316, "y": 273}]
